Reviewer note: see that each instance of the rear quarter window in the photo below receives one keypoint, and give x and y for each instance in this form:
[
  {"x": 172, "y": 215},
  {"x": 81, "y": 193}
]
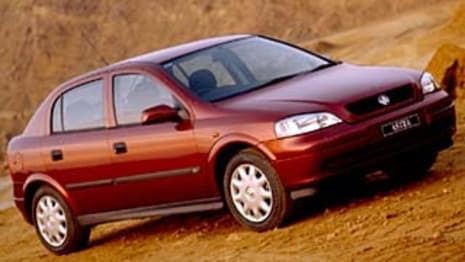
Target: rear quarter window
[{"x": 57, "y": 123}]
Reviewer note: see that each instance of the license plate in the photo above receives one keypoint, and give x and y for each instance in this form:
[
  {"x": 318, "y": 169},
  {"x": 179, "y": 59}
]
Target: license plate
[{"x": 400, "y": 125}]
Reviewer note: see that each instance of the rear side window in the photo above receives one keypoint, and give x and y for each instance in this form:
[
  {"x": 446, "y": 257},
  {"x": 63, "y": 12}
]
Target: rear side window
[
  {"x": 79, "y": 109},
  {"x": 133, "y": 93}
]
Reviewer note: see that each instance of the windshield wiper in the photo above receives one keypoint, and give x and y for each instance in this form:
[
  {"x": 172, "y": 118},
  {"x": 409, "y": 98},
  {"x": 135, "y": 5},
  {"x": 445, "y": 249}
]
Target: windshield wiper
[
  {"x": 279, "y": 79},
  {"x": 286, "y": 77},
  {"x": 264, "y": 84}
]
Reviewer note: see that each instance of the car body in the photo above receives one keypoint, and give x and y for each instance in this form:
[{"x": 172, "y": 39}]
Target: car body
[{"x": 100, "y": 149}]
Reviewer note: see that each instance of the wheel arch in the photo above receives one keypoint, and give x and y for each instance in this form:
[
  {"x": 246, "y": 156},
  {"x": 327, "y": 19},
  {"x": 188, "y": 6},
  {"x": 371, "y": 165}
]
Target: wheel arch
[
  {"x": 225, "y": 148},
  {"x": 33, "y": 183}
]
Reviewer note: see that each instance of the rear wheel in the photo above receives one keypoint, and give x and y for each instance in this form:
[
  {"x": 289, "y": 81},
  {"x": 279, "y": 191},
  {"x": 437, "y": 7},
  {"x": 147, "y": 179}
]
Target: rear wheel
[
  {"x": 254, "y": 193},
  {"x": 55, "y": 225},
  {"x": 413, "y": 165}
]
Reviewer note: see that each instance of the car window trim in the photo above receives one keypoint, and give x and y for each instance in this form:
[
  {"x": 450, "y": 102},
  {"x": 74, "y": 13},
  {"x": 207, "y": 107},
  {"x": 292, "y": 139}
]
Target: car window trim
[
  {"x": 79, "y": 131},
  {"x": 52, "y": 114}
]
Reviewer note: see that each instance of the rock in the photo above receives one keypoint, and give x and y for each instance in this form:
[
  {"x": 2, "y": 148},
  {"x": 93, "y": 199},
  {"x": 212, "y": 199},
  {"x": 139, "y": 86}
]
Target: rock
[
  {"x": 233, "y": 237},
  {"x": 448, "y": 67},
  {"x": 353, "y": 229},
  {"x": 331, "y": 236},
  {"x": 390, "y": 215},
  {"x": 367, "y": 248}
]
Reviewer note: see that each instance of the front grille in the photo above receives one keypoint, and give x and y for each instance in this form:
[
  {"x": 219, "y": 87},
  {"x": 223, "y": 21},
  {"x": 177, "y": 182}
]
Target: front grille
[{"x": 371, "y": 104}]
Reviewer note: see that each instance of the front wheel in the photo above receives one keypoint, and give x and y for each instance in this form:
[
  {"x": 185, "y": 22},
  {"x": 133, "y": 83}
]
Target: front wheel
[
  {"x": 254, "y": 193},
  {"x": 55, "y": 225}
]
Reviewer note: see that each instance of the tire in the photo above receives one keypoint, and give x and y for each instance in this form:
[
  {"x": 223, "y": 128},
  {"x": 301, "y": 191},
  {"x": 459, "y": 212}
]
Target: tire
[
  {"x": 413, "y": 165},
  {"x": 244, "y": 192},
  {"x": 57, "y": 228}
]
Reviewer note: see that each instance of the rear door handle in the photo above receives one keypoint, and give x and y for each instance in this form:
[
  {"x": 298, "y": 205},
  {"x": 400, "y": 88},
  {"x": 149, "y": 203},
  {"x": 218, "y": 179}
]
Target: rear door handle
[
  {"x": 120, "y": 148},
  {"x": 56, "y": 155}
]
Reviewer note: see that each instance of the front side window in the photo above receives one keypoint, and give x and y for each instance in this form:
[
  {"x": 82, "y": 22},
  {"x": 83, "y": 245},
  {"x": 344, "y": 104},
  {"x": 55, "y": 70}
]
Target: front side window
[
  {"x": 80, "y": 108},
  {"x": 229, "y": 69},
  {"x": 134, "y": 93}
]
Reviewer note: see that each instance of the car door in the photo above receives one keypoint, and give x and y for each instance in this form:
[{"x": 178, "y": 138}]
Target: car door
[
  {"x": 156, "y": 163},
  {"x": 76, "y": 152}
]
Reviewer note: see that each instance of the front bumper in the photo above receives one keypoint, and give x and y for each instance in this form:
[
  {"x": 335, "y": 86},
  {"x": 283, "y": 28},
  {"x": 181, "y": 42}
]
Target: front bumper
[{"x": 361, "y": 147}]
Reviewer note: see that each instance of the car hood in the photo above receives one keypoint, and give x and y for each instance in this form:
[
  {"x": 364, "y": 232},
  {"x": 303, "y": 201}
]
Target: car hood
[{"x": 330, "y": 89}]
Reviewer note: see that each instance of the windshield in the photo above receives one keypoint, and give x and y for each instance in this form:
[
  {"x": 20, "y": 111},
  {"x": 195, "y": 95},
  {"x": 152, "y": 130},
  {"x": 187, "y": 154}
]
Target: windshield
[{"x": 241, "y": 66}]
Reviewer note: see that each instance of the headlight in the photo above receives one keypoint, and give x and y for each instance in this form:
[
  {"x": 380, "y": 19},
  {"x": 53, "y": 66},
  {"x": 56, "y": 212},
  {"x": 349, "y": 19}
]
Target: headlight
[
  {"x": 305, "y": 123},
  {"x": 428, "y": 84}
]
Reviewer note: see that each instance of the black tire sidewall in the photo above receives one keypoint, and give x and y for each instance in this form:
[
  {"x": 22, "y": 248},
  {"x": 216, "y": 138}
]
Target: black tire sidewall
[
  {"x": 280, "y": 200},
  {"x": 76, "y": 235}
]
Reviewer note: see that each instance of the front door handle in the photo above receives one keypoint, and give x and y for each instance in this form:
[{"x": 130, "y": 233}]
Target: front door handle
[
  {"x": 56, "y": 155},
  {"x": 120, "y": 148}
]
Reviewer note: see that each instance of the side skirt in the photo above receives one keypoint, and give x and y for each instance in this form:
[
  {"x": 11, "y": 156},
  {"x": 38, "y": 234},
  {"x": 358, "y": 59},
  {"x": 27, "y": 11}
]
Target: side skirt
[{"x": 157, "y": 210}]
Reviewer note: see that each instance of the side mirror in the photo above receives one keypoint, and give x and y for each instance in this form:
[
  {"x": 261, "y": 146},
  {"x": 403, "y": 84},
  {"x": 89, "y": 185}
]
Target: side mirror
[{"x": 157, "y": 114}]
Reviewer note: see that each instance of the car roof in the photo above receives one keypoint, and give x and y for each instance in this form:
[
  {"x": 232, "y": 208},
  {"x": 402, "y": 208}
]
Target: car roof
[
  {"x": 159, "y": 56},
  {"x": 170, "y": 53}
]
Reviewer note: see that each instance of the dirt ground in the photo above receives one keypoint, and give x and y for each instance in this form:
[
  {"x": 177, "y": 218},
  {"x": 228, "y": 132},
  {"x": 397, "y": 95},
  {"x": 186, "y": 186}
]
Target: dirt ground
[{"x": 372, "y": 220}]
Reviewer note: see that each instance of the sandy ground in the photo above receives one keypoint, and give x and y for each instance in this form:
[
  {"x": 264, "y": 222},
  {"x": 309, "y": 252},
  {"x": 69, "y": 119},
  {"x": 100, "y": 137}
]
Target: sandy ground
[{"x": 371, "y": 220}]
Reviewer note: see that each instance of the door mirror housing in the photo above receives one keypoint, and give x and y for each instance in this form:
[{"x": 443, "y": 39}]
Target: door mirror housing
[{"x": 157, "y": 114}]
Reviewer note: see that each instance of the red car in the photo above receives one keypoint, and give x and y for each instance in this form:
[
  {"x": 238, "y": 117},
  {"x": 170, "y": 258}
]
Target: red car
[{"x": 244, "y": 120}]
